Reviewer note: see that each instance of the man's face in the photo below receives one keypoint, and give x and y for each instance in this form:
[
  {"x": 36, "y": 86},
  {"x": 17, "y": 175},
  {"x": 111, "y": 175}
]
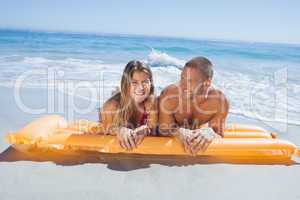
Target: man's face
[{"x": 191, "y": 80}]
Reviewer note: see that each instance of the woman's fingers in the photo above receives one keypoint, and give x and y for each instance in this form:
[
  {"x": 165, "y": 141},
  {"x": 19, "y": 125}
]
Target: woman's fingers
[
  {"x": 139, "y": 139},
  {"x": 126, "y": 143},
  {"x": 131, "y": 142},
  {"x": 136, "y": 138},
  {"x": 122, "y": 145},
  {"x": 126, "y": 138},
  {"x": 139, "y": 134}
]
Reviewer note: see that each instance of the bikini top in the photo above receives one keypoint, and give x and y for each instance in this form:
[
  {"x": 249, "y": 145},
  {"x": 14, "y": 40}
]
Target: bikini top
[{"x": 144, "y": 118}]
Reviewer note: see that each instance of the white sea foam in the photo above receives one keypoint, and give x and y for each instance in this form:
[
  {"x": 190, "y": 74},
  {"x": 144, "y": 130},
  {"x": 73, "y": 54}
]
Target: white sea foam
[
  {"x": 248, "y": 96},
  {"x": 156, "y": 58}
]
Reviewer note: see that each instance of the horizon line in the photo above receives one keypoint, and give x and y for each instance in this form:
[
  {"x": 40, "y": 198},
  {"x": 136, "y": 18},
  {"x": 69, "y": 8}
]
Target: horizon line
[{"x": 103, "y": 33}]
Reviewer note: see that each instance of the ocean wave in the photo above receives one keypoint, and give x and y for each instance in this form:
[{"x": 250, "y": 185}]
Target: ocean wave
[
  {"x": 263, "y": 118},
  {"x": 176, "y": 49},
  {"x": 248, "y": 96},
  {"x": 67, "y": 61},
  {"x": 160, "y": 59}
]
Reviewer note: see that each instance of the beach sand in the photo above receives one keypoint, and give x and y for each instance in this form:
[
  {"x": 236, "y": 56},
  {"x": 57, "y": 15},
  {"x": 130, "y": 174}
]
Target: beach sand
[{"x": 54, "y": 176}]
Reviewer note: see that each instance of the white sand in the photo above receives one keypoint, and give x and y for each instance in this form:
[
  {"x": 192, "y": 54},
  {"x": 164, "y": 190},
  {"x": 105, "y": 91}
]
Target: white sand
[{"x": 90, "y": 177}]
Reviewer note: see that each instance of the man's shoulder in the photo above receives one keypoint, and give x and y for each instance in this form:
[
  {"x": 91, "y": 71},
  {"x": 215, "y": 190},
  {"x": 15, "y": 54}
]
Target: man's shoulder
[
  {"x": 215, "y": 93},
  {"x": 169, "y": 97},
  {"x": 170, "y": 90},
  {"x": 218, "y": 97}
]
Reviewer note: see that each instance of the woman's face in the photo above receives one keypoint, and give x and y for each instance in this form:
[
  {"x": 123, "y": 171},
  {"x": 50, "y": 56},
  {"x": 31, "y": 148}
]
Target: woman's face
[{"x": 140, "y": 86}]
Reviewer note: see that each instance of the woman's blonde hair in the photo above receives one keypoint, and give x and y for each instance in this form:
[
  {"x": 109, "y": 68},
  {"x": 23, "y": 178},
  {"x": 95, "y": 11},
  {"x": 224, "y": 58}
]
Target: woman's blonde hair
[{"x": 124, "y": 115}]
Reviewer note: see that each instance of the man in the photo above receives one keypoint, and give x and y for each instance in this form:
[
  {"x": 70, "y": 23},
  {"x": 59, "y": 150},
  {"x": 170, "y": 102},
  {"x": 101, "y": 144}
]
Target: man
[{"x": 185, "y": 106}]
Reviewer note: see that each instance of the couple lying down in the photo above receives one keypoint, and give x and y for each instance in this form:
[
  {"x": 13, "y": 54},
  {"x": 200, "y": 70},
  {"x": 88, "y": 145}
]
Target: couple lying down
[{"x": 181, "y": 110}]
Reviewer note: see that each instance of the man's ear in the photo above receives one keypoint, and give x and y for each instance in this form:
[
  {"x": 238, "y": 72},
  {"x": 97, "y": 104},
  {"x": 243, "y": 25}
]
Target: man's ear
[{"x": 207, "y": 83}]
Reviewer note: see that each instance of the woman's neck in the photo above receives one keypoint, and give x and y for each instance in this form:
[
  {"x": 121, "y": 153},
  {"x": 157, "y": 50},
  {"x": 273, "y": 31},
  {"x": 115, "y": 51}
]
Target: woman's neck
[{"x": 140, "y": 107}]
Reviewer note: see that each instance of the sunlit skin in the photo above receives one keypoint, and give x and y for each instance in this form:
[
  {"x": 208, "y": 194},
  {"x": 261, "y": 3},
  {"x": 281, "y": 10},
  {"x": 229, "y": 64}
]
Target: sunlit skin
[
  {"x": 140, "y": 87},
  {"x": 191, "y": 103},
  {"x": 139, "y": 92}
]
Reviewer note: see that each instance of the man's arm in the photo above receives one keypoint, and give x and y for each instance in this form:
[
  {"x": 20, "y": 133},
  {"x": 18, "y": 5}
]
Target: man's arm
[
  {"x": 218, "y": 106},
  {"x": 217, "y": 123},
  {"x": 167, "y": 124}
]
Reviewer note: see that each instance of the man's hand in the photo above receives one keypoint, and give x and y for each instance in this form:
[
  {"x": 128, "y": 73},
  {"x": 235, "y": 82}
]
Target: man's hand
[
  {"x": 201, "y": 139},
  {"x": 185, "y": 135}
]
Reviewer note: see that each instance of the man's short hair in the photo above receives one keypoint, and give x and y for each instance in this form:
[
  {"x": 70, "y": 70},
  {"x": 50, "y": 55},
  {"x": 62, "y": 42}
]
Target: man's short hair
[{"x": 203, "y": 65}]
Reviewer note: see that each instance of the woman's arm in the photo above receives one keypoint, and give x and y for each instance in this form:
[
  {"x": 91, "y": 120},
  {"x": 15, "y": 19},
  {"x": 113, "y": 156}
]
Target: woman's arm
[
  {"x": 151, "y": 106},
  {"x": 124, "y": 134},
  {"x": 84, "y": 126},
  {"x": 107, "y": 113}
]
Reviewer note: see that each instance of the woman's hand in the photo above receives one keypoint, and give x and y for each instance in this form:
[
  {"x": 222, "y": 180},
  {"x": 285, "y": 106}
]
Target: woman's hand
[
  {"x": 139, "y": 133},
  {"x": 126, "y": 139}
]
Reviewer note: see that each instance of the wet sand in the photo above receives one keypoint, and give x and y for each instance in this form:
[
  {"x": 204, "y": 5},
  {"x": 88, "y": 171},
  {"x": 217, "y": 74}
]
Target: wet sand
[{"x": 93, "y": 176}]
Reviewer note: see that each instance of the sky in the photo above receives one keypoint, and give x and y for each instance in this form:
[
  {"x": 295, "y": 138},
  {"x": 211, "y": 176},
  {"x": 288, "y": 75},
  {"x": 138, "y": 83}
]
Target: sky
[{"x": 254, "y": 20}]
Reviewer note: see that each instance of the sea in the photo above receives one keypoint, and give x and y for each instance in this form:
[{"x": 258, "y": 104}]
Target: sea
[{"x": 261, "y": 80}]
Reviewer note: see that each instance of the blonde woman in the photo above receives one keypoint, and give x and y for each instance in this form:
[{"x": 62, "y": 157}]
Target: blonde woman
[{"x": 131, "y": 114}]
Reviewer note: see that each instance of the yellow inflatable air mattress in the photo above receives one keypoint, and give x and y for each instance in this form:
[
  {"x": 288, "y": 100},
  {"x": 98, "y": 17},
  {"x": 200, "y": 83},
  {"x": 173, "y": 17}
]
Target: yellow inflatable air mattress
[{"x": 241, "y": 142}]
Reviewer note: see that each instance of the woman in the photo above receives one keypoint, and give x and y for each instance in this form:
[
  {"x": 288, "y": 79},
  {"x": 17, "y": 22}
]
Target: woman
[{"x": 131, "y": 114}]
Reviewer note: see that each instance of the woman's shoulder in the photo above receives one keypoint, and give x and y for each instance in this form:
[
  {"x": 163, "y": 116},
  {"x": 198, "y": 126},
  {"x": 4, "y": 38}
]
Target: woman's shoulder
[{"x": 112, "y": 103}]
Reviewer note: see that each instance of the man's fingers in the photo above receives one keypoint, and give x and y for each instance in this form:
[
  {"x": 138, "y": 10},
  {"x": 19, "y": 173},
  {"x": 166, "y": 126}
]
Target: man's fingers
[
  {"x": 198, "y": 144},
  {"x": 196, "y": 140},
  {"x": 206, "y": 145},
  {"x": 189, "y": 147},
  {"x": 202, "y": 143},
  {"x": 185, "y": 145},
  {"x": 192, "y": 137},
  {"x": 196, "y": 149}
]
